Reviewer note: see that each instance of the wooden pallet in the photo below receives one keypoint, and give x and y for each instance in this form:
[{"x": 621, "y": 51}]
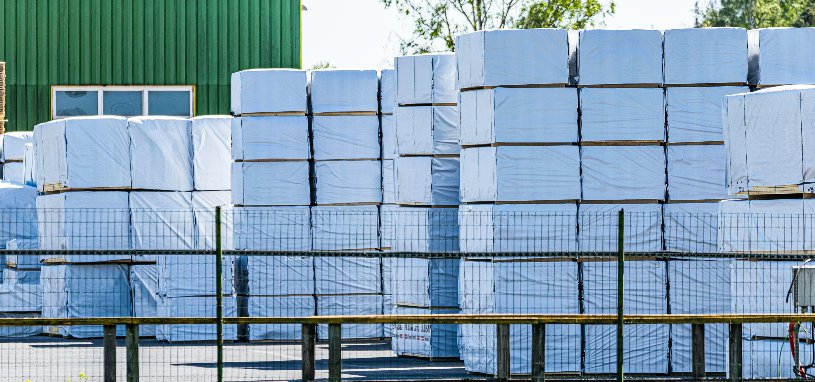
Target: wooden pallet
[
  {"x": 624, "y": 143},
  {"x": 277, "y": 114},
  {"x": 521, "y": 144},
  {"x": 702, "y": 143},
  {"x": 535, "y": 86},
  {"x": 788, "y": 191},
  {"x": 705, "y": 85},
  {"x": 620, "y": 86},
  {"x": 347, "y": 114},
  {"x": 58, "y": 188}
]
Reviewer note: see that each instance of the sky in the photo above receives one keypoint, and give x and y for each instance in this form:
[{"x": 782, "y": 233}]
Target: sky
[{"x": 364, "y": 34}]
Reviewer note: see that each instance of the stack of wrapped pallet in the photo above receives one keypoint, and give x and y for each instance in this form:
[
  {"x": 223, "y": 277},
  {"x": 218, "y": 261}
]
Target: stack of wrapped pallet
[
  {"x": 12, "y": 155},
  {"x": 623, "y": 167},
  {"x": 271, "y": 196},
  {"x": 119, "y": 184},
  {"x": 20, "y": 292},
  {"x": 426, "y": 177},
  {"x": 769, "y": 140},
  {"x": 520, "y": 181},
  {"x": 347, "y": 194},
  {"x": 701, "y": 67}
]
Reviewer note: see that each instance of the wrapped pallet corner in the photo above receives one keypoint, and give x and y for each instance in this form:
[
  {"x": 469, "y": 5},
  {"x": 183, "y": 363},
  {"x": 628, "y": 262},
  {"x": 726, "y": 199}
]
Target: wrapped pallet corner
[
  {"x": 270, "y": 137},
  {"x": 284, "y": 183},
  {"x": 348, "y": 182},
  {"x": 211, "y": 157},
  {"x": 387, "y": 91},
  {"x": 257, "y": 91},
  {"x": 705, "y": 56},
  {"x": 161, "y": 153},
  {"x": 612, "y": 173},
  {"x": 426, "y": 79},
  {"x": 346, "y": 137},
  {"x": 622, "y": 114},
  {"x": 620, "y": 57},
  {"x": 344, "y": 91},
  {"x": 427, "y": 181},
  {"x": 694, "y": 114},
  {"x": 512, "y": 57},
  {"x": 518, "y": 227},
  {"x": 696, "y": 172},
  {"x": 427, "y": 130},
  {"x": 781, "y": 56}
]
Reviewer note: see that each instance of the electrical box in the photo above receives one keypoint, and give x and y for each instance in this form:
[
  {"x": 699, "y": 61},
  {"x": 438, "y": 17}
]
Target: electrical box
[{"x": 804, "y": 285}]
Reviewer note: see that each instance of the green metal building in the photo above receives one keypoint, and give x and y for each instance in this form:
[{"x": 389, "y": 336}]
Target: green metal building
[{"x": 196, "y": 43}]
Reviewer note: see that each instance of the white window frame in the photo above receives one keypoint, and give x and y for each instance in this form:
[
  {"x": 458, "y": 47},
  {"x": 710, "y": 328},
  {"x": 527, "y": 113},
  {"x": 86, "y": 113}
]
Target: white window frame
[{"x": 100, "y": 89}]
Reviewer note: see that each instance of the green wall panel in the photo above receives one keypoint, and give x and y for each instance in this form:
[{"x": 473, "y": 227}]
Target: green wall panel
[{"x": 139, "y": 42}]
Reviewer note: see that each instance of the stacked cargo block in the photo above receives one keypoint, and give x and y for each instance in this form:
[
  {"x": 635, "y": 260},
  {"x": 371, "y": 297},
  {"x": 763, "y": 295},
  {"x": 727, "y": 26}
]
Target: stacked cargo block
[
  {"x": 271, "y": 194},
  {"x": 520, "y": 181},
  {"x": 12, "y": 155},
  {"x": 347, "y": 193},
  {"x": 426, "y": 178},
  {"x": 387, "y": 230}
]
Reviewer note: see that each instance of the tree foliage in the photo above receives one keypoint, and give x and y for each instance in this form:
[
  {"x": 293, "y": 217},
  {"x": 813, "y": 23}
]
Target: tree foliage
[
  {"x": 437, "y": 22},
  {"x": 756, "y": 13}
]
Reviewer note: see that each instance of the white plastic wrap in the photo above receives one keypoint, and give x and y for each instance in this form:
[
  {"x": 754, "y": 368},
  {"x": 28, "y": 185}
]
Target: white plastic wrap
[
  {"x": 12, "y": 145},
  {"x": 426, "y": 79},
  {"x": 622, "y": 115},
  {"x": 760, "y": 287},
  {"x": 697, "y": 172},
  {"x": 343, "y": 90},
  {"x": 162, "y": 220},
  {"x": 269, "y": 91},
  {"x": 203, "y": 209},
  {"x": 387, "y": 227},
  {"x": 699, "y": 287},
  {"x": 623, "y": 172},
  {"x": 287, "y": 306},
  {"x": 195, "y": 307},
  {"x": 760, "y": 359},
  {"x": 161, "y": 153},
  {"x": 144, "y": 281},
  {"x": 18, "y": 214},
  {"x": 346, "y": 137},
  {"x": 691, "y": 227},
  {"x": 351, "y": 305},
  {"x": 427, "y": 181},
  {"x": 598, "y": 227},
  {"x": 387, "y": 91},
  {"x": 280, "y": 275},
  {"x": 193, "y": 275},
  {"x": 85, "y": 221},
  {"x": 84, "y": 152},
  {"x": 619, "y": 57},
  {"x": 425, "y": 283},
  {"x": 211, "y": 145},
  {"x": 388, "y": 127},
  {"x": 518, "y": 115},
  {"x": 29, "y": 168},
  {"x": 427, "y": 130},
  {"x": 345, "y": 227},
  {"x": 735, "y": 143},
  {"x": 518, "y": 228},
  {"x": 14, "y": 172},
  {"x": 764, "y": 225},
  {"x": 520, "y": 173},
  {"x": 519, "y": 287},
  {"x": 512, "y": 57},
  {"x": 24, "y": 277},
  {"x": 348, "y": 182},
  {"x": 271, "y": 183},
  {"x": 705, "y": 56},
  {"x": 272, "y": 228},
  {"x": 270, "y": 137},
  {"x": 645, "y": 294},
  {"x": 20, "y": 297},
  {"x": 733, "y": 215},
  {"x": 420, "y": 229},
  {"x": 347, "y": 275},
  {"x": 432, "y": 341},
  {"x": 695, "y": 114},
  {"x": 74, "y": 291},
  {"x": 780, "y": 56},
  {"x": 388, "y": 182}
]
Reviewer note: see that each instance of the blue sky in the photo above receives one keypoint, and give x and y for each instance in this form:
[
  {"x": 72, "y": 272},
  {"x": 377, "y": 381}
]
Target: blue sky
[{"x": 363, "y": 34}]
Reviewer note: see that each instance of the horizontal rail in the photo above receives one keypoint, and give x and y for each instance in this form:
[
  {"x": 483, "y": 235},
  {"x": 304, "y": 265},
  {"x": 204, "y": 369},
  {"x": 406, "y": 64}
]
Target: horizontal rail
[{"x": 521, "y": 319}]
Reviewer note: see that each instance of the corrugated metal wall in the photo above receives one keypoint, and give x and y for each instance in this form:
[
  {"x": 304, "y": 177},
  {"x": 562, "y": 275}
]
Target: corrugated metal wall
[{"x": 139, "y": 42}]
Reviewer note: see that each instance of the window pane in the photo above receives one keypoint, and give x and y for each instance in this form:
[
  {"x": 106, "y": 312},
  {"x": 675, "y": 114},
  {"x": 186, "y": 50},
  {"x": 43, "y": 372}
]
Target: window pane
[
  {"x": 174, "y": 103},
  {"x": 71, "y": 104},
  {"x": 125, "y": 104}
]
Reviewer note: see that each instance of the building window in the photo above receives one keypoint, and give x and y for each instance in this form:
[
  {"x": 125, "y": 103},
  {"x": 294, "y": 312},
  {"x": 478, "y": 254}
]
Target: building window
[{"x": 125, "y": 101}]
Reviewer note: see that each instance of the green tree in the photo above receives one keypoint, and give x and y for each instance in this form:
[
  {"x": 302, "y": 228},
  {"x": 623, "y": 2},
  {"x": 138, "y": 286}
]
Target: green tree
[
  {"x": 436, "y": 23},
  {"x": 756, "y": 13}
]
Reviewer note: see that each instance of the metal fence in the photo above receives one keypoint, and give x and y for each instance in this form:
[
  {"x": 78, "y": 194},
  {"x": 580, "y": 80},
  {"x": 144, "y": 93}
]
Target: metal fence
[{"x": 278, "y": 293}]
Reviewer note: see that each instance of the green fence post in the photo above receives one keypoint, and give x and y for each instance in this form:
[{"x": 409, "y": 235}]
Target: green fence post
[
  {"x": 219, "y": 298},
  {"x": 620, "y": 291}
]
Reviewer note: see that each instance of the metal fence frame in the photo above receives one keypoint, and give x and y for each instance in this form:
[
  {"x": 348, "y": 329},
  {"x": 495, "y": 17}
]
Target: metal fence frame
[{"x": 502, "y": 321}]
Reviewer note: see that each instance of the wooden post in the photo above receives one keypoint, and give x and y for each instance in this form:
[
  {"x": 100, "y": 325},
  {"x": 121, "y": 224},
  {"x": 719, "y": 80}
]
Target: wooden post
[
  {"x": 620, "y": 292},
  {"x": 109, "y": 343},
  {"x": 502, "y": 347},
  {"x": 538, "y": 352},
  {"x": 308, "y": 352},
  {"x": 698, "y": 350},
  {"x": 334, "y": 352},
  {"x": 132, "y": 345},
  {"x": 734, "y": 350}
]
